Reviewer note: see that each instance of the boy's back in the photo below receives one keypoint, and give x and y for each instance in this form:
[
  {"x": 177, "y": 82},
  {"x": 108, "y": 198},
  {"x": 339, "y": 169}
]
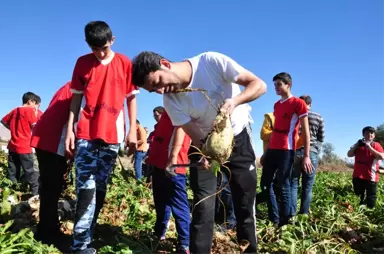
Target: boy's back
[{"x": 20, "y": 121}]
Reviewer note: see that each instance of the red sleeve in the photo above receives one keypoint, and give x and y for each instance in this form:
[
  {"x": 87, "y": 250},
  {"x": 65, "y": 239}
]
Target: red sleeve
[
  {"x": 378, "y": 147},
  {"x": 301, "y": 108},
  {"x": 7, "y": 118},
  {"x": 32, "y": 116},
  {"x": 131, "y": 88},
  {"x": 79, "y": 77}
]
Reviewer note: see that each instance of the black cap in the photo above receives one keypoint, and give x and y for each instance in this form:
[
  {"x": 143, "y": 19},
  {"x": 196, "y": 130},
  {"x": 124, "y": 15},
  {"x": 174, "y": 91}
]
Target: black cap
[{"x": 368, "y": 128}]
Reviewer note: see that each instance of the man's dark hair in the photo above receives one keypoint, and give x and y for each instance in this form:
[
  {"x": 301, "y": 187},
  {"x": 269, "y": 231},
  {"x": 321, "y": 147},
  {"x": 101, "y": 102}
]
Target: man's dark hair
[
  {"x": 29, "y": 96},
  {"x": 307, "y": 99},
  {"x": 137, "y": 121},
  {"x": 283, "y": 76},
  {"x": 97, "y": 33},
  {"x": 368, "y": 128},
  {"x": 143, "y": 64},
  {"x": 159, "y": 109}
]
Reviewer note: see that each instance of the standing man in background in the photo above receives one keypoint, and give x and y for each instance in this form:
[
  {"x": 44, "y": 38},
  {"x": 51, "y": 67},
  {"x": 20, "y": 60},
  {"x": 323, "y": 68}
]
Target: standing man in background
[
  {"x": 141, "y": 150},
  {"x": 316, "y": 131}
]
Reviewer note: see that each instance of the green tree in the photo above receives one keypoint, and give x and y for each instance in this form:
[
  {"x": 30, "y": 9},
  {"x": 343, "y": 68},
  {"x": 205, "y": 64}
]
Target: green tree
[{"x": 380, "y": 134}]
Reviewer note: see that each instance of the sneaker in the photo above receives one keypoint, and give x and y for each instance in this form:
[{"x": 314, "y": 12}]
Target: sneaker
[{"x": 86, "y": 251}]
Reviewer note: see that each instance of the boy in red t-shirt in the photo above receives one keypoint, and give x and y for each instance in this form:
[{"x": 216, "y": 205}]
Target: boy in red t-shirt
[
  {"x": 278, "y": 159},
  {"x": 48, "y": 140},
  {"x": 170, "y": 146},
  {"x": 101, "y": 82},
  {"x": 20, "y": 122},
  {"x": 367, "y": 154}
]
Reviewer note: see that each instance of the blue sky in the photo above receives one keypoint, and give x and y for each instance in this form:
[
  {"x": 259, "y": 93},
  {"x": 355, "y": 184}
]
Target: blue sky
[{"x": 333, "y": 49}]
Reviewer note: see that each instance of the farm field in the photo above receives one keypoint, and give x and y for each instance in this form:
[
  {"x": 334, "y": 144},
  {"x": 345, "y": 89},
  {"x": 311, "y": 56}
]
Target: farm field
[{"x": 337, "y": 224}]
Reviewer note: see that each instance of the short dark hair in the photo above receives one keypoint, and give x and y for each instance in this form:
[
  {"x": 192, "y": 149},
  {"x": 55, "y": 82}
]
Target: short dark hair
[
  {"x": 159, "y": 109},
  {"x": 38, "y": 99},
  {"x": 29, "y": 96},
  {"x": 97, "y": 33},
  {"x": 137, "y": 121},
  {"x": 307, "y": 99},
  {"x": 143, "y": 64},
  {"x": 368, "y": 128},
  {"x": 283, "y": 76}
]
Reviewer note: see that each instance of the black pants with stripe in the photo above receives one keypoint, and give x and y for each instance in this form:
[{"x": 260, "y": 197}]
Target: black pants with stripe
[
  {"x": 243, "y": 183},
  {"x": 366, "y": 190}
]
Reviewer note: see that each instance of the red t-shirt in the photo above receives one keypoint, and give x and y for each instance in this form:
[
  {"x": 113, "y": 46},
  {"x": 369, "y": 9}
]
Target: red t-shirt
[
  {"x": 49, "y": 132},
  {"x": 105, "y": 85},
  {"x": 287, "y": 114},
  {"x": 20, "y": 122},
  {"x": 162, "y": 144},
  {"x": 366, "y": 165},
  {"x": 39, "y": 114}
]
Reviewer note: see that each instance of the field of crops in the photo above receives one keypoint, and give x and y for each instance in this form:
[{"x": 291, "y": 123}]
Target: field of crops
[{"x": 337, "y": 224}]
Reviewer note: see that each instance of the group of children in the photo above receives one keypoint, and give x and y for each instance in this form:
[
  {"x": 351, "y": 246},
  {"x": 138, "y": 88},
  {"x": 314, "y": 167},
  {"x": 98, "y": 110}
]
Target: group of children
[{"x": 85, "y": 123}]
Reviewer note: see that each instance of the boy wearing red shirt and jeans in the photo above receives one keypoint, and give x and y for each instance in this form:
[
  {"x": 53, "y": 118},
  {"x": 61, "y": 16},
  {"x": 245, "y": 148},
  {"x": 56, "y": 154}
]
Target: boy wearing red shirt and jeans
[
  {"x": 48, "y": 140},
  {"x": 367, "y": 154},
  {"x": 100, "y": 83},
  {"x": 278, "y": 159},
  {"x": 170, "y": 146},
  {"x": 20, "y": 122}
]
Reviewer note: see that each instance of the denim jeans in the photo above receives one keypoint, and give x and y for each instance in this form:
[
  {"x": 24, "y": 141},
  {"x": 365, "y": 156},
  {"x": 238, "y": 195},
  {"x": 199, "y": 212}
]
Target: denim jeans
[
  {"x": 138, "y": 164},
  {"x": 307, "y": 182},
  {"x": 278, "y": 163}
]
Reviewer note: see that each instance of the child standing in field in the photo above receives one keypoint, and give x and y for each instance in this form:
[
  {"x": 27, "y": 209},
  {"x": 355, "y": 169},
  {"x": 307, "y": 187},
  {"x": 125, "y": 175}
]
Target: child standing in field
[
  {"x": 367, "y": 154},
  {"x": 20, "y": 122},
  {"x": 101, "y": 81},
  {"x": 48, "y": 140},
  {"x": 170, "y": 146},
  {"x": 278, "y": 159}
]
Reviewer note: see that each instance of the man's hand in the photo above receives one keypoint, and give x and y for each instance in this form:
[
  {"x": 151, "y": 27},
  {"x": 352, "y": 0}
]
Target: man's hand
[
  {"x": 70, "y": 144},
  {"x": 204, "y": 163},
  {"x": 307, "y": 165},
  {"x": 229, "y": 106},
  {"x": 172, "y": 160},
  {"x": 131, "y": 141}
]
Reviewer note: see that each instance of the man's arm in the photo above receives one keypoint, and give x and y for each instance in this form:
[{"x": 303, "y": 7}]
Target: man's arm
[
  {"x": 6, "y": 125},
  {"x": 379, "y": 154},
  {"x": 320, "y": 132},
  {"x": 73, "y": 118},
  {"x": 177, "y": 143},
  {"x": 254, "y": 87},
  {"x": 132, "y": 115},
  {"x": 235, "y": 73},
  {"x": 352, "y": 150},
  {"x": 305, "y": 132}
]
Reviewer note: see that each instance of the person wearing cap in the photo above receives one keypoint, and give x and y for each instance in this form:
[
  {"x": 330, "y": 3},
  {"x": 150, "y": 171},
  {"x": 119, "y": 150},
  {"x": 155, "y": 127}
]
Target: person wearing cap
[{"x": 367, "y": 154}]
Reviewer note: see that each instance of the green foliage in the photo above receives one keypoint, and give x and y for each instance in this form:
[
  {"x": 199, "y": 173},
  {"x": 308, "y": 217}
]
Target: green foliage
[
  {"x": 329, "y": 156},
  {"x": 380, "y": 134}
]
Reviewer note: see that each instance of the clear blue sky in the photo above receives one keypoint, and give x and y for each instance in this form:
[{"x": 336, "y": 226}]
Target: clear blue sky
[{"x": 333, "y": 50}]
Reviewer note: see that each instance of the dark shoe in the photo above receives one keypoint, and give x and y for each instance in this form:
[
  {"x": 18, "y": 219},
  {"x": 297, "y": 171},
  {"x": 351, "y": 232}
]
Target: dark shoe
[
  {"x": 86, "y": 251},
  {"x": 182, "y": 250}
]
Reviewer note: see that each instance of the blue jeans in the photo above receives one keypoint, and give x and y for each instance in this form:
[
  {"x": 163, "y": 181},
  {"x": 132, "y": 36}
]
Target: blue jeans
[
  {"x": 226, "y": 197},
  {"x": 278, "y": 163},
  {"x": 170, "y": 195},
  {"x": 138, "y": 164},
  {"x": 307, "y": 182}
]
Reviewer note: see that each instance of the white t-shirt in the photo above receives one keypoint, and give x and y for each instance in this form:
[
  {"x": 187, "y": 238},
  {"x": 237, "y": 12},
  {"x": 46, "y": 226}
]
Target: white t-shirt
[{"x": 215, "y": 73}]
